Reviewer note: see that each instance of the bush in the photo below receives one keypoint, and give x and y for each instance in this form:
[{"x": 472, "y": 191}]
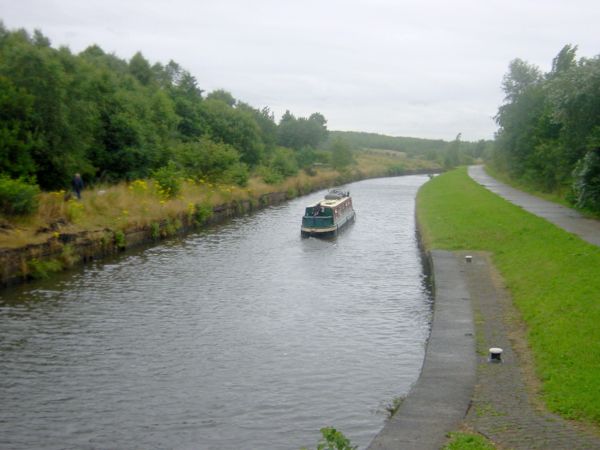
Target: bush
[
  {"x": 269, "y": 175},
  {"x": 586, "y": 184},
  {"x": 203, "y": 212},
  {"x": 341, "y": 155},
  {"x": 284, "y": 162},
  {"x": 18, "y": 197},
  {"x": 237, "y": 174},
  {"x": 207, "y": 159},
  {"x": 168, "y": 179}
]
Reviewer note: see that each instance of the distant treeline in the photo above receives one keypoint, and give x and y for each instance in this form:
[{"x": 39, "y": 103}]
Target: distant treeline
[
  {"x": 549, "y": 126},
  {"x": 447, "y": 153},
  {"x": 112, "y": 119}
]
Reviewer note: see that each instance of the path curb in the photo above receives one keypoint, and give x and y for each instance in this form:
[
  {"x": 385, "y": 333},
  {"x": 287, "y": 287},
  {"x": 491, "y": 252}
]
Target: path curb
[{"x": 440, "y": 398}]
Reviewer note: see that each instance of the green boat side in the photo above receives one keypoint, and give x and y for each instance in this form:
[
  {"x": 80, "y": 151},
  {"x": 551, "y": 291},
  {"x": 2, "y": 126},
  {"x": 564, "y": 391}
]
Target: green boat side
[{"x": 329, "y": 216}]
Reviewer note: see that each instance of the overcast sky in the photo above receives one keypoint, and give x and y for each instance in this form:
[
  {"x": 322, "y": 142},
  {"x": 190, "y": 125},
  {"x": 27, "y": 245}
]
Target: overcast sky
[{"x": 404, "y": 68}]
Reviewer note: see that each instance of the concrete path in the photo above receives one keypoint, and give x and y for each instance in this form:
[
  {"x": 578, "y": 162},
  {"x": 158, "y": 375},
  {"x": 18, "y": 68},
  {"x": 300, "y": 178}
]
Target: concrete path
[
  {"x": 459, "y": 387},
  {"x": 440, "y": 398},
  {"x": 504, "y": 406},
  {"x": 566, "y": 218}
]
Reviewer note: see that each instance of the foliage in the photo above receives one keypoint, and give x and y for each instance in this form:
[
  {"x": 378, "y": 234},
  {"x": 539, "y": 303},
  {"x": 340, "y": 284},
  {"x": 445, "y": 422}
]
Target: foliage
[
  {"x": 234, "y": 127},
  {"x": 205, "y": 159},
  {"x": 301, "y": 132},
  {"x": 111, "y": 119},
  {"x": 203, "y": 212},
  {"x": 120, "y": 239},
  {"x": 269, "y": 175},
  {"x": 549, "y": 122},
  {"x": 468, "y": 441},
  {"x": 42, "y": 268},
  {"x": 75, "y": 211},
  {"x": 18, "y": 197},
  {"x": 429, "y": 149},
  {"x": 155, "y": 230},
  {"x": 284, "y": 162},
  {"x": 237, "y": 173},
  {"x": 168, "y": 179},
  {"x": 68, "y": 256},
  {"x": 552, "y": 276},
  {"x": 334, "y": 440},
  {"x": 586, "y": 184},
  {"x": 392, "y": 408},
  {"x": 341, "y": 155}
]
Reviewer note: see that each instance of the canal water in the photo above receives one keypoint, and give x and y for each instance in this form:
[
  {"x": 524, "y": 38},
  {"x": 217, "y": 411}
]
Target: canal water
[{"x": 241, "y": 337}]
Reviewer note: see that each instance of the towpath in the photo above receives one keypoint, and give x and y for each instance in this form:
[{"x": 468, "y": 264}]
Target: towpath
[
  {"x": 566, "y": 218},
  {"x": 459, "y": 388}
]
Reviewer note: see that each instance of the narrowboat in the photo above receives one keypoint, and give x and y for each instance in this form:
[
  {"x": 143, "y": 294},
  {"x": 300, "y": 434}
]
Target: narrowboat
[{"x": 328, "y": 216}]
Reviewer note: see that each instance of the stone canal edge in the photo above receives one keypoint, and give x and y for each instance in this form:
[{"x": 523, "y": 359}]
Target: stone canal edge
[{"x": 459, "y": 388}]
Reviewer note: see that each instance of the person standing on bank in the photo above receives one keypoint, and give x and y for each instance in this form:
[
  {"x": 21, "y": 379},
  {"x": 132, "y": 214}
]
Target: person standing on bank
[{"x": 77, "y": 185}]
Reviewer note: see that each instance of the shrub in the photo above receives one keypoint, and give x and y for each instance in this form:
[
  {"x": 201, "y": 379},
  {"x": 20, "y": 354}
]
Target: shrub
[
  {"x": 120, "y": 239},
  {"x": 586, "y": 184},
  {"x": 18, "y": 197},
  {"x": 269, "y": 175},
  {"x": 42, "y": 269},
  {"x": 238, "y": 174},
  {"x": 206, "y": 159},
  {"x": 284, "y": 162},
  {"x": 75, "y": 210},
  {"x": 168, "y": 179},
  {"x": 203, "y": 213}
]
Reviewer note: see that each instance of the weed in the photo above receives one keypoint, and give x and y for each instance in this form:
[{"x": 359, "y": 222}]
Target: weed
[
  {"x": 392, "y": 408},
  {"x": 203, "y": 213},
  {"x": 68, "y": 256},
  {"x": 37, "y": 268},
  {"x": 155, "y": 230},
  {"x": 75, "y": 211},
  {"x": 334, "y": 440},
  {"x": 468, "y": 441},
  {"x": 119, "y": 239}
]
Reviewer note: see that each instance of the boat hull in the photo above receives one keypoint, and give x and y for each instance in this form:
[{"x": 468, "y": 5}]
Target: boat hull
[{"x": 329, "y": 231}]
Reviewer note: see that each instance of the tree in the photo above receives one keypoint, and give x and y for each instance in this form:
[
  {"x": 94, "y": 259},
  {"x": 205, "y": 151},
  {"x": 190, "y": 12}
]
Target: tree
[
  {"x": 586, "y": 185},
  {"x": 205, "y": 159},
  {"x": 16, "y": 135},
  {"x": 451, "y": 157},
  {"x": 298, "y": 133},
  {"x": 233, "y": 127},
  {"x": 341, "y": 155},
  {"x": 140, "y": 69},
  {"x": 222, "y": 96}
]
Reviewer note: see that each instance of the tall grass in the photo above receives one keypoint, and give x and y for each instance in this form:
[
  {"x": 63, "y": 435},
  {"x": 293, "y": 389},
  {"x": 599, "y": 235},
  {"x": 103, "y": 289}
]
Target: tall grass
[
  {"x": 553, "y": 276},
  {"x": 142, "y": 203}
]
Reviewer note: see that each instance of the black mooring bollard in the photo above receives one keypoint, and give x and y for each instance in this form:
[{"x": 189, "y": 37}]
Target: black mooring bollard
[{"x": 495, "y": 354}]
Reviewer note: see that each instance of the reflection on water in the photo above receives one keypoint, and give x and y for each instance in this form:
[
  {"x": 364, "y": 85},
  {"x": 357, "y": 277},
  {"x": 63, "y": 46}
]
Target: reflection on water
[{"x": 244, "y": 337}]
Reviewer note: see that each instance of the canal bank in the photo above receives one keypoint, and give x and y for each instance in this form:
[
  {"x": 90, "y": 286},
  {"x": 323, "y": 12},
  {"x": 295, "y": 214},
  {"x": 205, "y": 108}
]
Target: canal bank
[
  {"x": 460, "y": 387},
  {"x": 504, "y": 404},
  {"x": 64, "y": 250},
  {"x": 440, "y": 398}
]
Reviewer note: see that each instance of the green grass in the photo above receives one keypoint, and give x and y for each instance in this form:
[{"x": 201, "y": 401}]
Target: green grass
[
  {"x": 467, "y": 441},
  {"x": 553, "y": 276}
]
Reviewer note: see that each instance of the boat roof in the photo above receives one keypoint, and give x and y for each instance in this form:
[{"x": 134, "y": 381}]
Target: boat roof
[{"x": 330, "y": 202}]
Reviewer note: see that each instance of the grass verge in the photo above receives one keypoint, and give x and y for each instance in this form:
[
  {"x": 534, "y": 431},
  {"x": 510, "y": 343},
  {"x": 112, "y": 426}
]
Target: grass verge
[
  {"x": 551, "y": 274},
  {"x": 468, "y": 441}
]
